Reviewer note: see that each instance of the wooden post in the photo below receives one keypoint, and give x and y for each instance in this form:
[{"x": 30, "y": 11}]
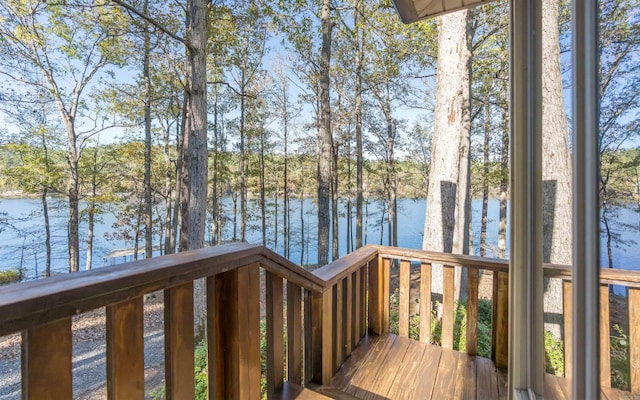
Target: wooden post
[
  {"x": 634, "y": 339},
  {"x": 348, "y": 315},
  {"x": 238, "y": 307},
  {"x": 386, "y": 272},
  {"x": 425, "y": 303},
  {"x": 357, "y": 309},
  {"x": 294, "y": 334},
  {"x": 328, "y": 336},
  {"x": 605, "y": 340},
  {"x": 405, "y": 288},
  {"x": 375, "y": 296},
  {"x": 568, "y": 331},
  {"x": 502, "y": 321},
  {"x": 472, "y": 311},
  {"x": 179, "y": 342},
  {"x": 448, "y": 307},
  {"x": 275, "y": 344},
  {"x": 46, "y": 361},
  {"x": 125, "y": 350}
]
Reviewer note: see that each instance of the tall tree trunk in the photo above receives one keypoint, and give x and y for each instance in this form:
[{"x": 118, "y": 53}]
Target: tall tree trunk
[
  {"x": 451, "y": 120},
  {"x": 359, "y": 44},
  {"x": 92, "y": 209},
  {"x": 335, "y": 242},
  {"x": 556, "y": 166},
  {"x": 215, "y": 227},
  {"x": 148, "y": 210},
  {"x": 243, "y": 163},
  {"x": 349, "y": 200},
  {"x": 504, "y": 187},
  {"x": 168, "y": 192},
  {"x": 326, "y": 138},
  {"x": 47, "y": 231},
  {"x": 285, "y": 193},
  {"x": 485, "y": 180},
  {"x": 180, "y": 167},
  {"x": 263, "y": 195}
]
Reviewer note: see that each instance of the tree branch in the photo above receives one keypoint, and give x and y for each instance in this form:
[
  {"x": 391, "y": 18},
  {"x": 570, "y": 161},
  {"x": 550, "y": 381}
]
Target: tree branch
[{"x": 150, "y": 20}]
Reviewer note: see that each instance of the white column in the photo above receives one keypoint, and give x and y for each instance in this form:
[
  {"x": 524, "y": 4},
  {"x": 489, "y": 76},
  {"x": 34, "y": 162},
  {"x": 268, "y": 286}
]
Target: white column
[
  {"x": 586, "y": 214},
  {"x": 526, "y": 338}
]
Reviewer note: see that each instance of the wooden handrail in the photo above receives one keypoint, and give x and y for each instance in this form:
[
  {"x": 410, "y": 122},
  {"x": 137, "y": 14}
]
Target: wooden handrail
[{"x": 332, "y": 273}]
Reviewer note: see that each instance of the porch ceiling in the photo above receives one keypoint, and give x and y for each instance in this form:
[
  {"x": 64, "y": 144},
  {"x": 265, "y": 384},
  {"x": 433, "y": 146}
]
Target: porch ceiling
[{"x": 414, "y": 10}]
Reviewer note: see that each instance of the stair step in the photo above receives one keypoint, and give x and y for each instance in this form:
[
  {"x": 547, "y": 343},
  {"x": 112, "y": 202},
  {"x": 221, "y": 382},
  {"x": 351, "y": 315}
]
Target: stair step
[
  {"x": 293, "y": 391},
  {"x": 331, "y": 392}
]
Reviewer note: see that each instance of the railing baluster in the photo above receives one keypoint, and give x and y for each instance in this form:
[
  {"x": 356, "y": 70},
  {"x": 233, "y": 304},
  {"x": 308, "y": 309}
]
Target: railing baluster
[
  {"x": 494, "y": 313},
  {"x": 357, "y": 310},
  {"x": 605, "y": 341},
  {"x": 294, "y": 334},
  {"x": 328, "y": 335},
  {"x": 405, "y": 288},
  {"x": 363, "y": 301},
  {"x": 46, "y": 361},
  {"x": 634, "y": 339},
  {"x": 448, "y": 299},
  {"x": 349, "y": 323},
  {"x": 338, "y": 324},
  {"x": 275, "y": 345},
  {"x": 178, "y": 342},
  {"x": 502, "y": 322},
  {"x": 425, "y": 303},
  {"x": 215, "y": 338},
  {"x": 386, "y": 272},
  {"x": 568, "y": 328},
  {"x": 375, "y": 296},
  {"x": 472, "y": 311},
  {"x": 125, "y": 350}
]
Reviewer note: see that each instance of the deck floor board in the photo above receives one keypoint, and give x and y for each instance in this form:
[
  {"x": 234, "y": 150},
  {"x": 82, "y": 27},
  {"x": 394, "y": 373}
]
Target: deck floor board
[{"x": 390, "y": 367}]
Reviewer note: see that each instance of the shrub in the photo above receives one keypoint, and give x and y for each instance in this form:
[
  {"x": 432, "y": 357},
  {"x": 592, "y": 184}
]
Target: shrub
[{"x": 12, "y": 275}]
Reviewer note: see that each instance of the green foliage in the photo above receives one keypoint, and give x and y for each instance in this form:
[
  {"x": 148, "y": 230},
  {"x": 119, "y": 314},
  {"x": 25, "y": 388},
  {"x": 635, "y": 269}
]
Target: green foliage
[
  {"x": 554, "y": 354},
  {"x": 620, "y": 373},
  {"x": 12, "y": 275}
]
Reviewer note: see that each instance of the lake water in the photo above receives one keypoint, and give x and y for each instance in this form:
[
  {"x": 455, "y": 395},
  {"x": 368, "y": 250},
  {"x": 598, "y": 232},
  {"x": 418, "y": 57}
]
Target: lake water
[{"x": 22, "y": 234}]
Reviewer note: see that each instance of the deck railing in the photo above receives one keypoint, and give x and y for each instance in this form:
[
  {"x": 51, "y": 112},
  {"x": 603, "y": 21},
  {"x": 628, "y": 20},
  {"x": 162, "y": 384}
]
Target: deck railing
[{"x": 327, "y": 313}]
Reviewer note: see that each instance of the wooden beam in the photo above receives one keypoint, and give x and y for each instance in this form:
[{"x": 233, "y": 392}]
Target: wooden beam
[
  {"x": 405, "y": 289},
  {"x": 125, "y": 350},
  {"x": 425, "y": 303},
  {"x": 275, "y": 342},
  {"x": 179, "y": 342},
  {"x": 472, "y": 312},
  {"x": 294, "y": 333},
  {"x": 448, "y": 306},
  {"x": 46, "y": 361}
]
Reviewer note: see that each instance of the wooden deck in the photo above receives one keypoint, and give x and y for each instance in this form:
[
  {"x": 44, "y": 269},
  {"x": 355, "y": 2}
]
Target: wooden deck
[{"x": 392, "y": 367}]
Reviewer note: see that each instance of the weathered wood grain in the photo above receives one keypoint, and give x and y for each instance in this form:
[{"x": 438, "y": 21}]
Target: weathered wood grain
[
  {"x": 472, "y": 312},
  {"x": 405, "y": 289},
  {"x": 425, "y": 303}
]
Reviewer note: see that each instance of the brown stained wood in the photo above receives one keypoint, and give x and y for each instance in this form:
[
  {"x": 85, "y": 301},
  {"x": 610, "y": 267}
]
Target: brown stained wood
[
  {"x": 338, "y": 325},
  {"x": 424, "y": 382},
  {"x": 46, "y": 361},
  {"x": 425, "y": 303},
  {"x": 466, "y": 382},
  {"x": 275, "y": 344},
  {"x": 215, "y": 338},
  {"x": 387, "y": 370},
  {"x": 407, "y": 371},
  {"x": 357, "y": 309},
  {"x": 634, "y": 339},
  {"x": 294, "y": 333},
  {"x": 312, "y": 337},
  {"x": 568, "y": 335},
  {"x": 472, "y": 311},
  {"x": 125, "y": 350},
  {"x": 405, "y": 289},
  {"x": 369, "y": 365},
  {"x": 386, "y": 281},
  {"x": 494, "y": 313},
  {"x": 363, "y": 299},
  {"x": 445, "y": 385},
  {"x": 605, "y": 341},
  {"x": 350, "y": 367},
  {"x": 238, "y": 304},
  {"x": 487, "y": 384},
  {"x": 552, "y": 389},
  {"x": 339, "y": 269},
  {"x": 375, "y": 297},
  {"x": 292, "y": 391},
  {"x": 615, "y": 394},
  {"x": 328, "y": 335},
  {"x": 565, "y": 386},
  {"x": 349, "y": 315},
  {"x": 503, "y": 383},
  {"x": 21, "y": 305},
  {"x": 502, "y": 323},
  {"x": 179, "y": 342},
  {"x": 448, "y": 299}
]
